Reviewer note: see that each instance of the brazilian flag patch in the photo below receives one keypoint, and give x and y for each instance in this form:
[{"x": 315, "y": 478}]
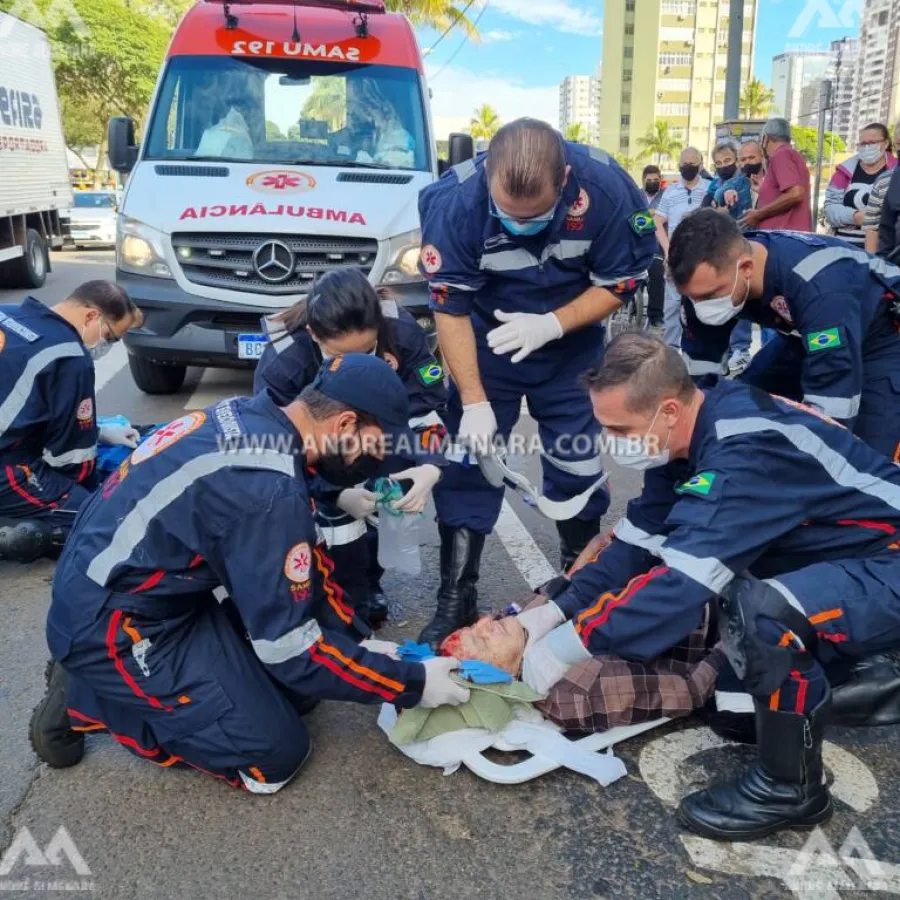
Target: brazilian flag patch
[
  {"x": 643, "y": 222},
  {"x": 431, "y": 373},
  {"x": 823, "y": 340},
  {"x": 701, "y": 484}
]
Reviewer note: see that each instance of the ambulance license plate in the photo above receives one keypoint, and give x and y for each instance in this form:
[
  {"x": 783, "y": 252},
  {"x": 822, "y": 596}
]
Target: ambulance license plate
[{"x": 251, "y": 346}]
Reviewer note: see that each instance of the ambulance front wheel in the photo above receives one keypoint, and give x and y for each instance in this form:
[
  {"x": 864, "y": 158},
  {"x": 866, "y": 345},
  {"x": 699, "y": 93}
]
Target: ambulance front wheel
[{"x": 155, "y": 378}]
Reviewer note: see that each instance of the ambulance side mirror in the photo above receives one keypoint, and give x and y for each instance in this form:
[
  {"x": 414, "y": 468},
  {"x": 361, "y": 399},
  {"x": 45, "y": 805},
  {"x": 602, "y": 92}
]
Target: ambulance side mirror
[
  {"x": 462, "y": 147},
  {"x": 122, "y": 146}
]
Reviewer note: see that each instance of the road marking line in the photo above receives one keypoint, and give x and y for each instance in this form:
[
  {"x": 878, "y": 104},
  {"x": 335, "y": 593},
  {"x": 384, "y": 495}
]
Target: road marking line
[
  {"x": 528, "y": 558},
  {"x": 109, "y": 366}
]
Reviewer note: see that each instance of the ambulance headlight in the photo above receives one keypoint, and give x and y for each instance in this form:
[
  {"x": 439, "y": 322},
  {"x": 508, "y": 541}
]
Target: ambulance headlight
[
  {"x": 139, "y": 249},
  {"x": 403, "y": 259}
]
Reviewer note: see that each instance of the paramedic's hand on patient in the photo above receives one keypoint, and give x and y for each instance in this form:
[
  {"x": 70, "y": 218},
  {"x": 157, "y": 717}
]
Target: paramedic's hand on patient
[
  {"x": 440, "y": 690},
  {"x": 424, "y": 478},
  {"x": 547, "y": 661},
  {"x": 357, "y": 502},
  {"x": 119, "y": 435},
  {"x": 540, "y": 621}
]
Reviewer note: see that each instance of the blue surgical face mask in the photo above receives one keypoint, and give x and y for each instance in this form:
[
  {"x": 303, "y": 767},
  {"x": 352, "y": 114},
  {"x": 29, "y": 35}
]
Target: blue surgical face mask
[{"x": 523, "y": 227}]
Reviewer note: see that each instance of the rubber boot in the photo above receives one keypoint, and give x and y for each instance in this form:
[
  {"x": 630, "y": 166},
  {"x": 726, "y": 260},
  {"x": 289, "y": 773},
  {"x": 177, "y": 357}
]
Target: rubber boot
[
  {"x": 25, "y": 541},
  {"x": 867, "y": 692},
  {"x": 574, "y": 536},
  {"x": 52, "y": 737},
  {"x": 457, "y": 599},
  {"x": 784, "y": 789}
]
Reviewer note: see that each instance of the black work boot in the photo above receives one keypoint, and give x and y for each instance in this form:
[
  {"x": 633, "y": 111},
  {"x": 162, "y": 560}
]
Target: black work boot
[
  {"x": 50, "y": 731},
  {"x": 457, "y": 599},
  {"x": 784, "y": 789},
  {"x": 867, "y": 691},
  {"x": 25, "y": 541},
  {"x": 574, "y": 536}
]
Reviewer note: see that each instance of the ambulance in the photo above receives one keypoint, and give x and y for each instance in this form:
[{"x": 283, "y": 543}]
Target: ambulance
[{"x": 284, "y": 140}]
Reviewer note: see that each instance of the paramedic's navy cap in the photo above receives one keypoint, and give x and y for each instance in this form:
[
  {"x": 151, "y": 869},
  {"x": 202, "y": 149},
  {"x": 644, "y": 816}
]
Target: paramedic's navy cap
[{"x": 369, "y": 384}]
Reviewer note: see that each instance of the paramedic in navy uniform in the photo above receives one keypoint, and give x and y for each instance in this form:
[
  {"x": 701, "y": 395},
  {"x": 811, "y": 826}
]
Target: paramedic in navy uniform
[{"x": 527, "y": 249}]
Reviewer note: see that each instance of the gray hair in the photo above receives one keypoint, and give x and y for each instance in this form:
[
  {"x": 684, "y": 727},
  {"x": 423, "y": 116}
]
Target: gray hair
[
  {"x": 729, "y": 145},
  {"x": 777, "y": 130},
  {"x": 525, "y": 156},
  {"x": 692, "y": 150},
  {"x": 652, "y": 370}
]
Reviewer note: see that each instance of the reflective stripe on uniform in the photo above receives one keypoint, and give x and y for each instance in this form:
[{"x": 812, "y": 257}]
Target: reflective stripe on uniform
[
  {"x": 787, "y": 593},
  {"x": 133, "y": 528},
  {"x": 629, "y": 533},
  {"x": 813, "y": 264},
  {"x": 425, "y": 421},
  {"x": 464, "y": 170},
  {"x": 519, "y": 259},
  {"x": 17, "y": 398},
  {"x": 586, "y": 467},
  {"x": 708, "y": 571},
  {"x": 600, "y": 155},
  {"x": 612, "y": 280},
  {"x": 705, "y": 367},
  {"x": 341, "y": 535},
  {"x": 70, "y": 458},
  {"x": 449, "y": 284},
  {"x": 836, "y": 407},
  {"x": 294, "y": 643},
  {"x": 389, "y": 309},
  {"x": 836, "y": 466}
]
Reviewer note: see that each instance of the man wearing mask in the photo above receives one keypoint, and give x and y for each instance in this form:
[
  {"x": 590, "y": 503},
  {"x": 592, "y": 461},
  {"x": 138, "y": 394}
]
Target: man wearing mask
[
  {"x": 143, "y": 649},
  {"x": 837, "y": 347},
  {"x": 679, "y": 199},
  {"x": 48, "y": 430},
  {"x": 656, "y": 283},
  {"x": 526, "y": 249},
  {"x": 784, "y": 201}
]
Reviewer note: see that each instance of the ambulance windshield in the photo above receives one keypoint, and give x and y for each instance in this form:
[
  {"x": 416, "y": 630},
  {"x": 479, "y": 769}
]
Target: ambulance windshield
[{"x": 290, "y": 111}]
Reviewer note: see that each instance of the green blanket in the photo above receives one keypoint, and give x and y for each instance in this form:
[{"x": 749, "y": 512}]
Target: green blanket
[{"x": 489, "y": 706}]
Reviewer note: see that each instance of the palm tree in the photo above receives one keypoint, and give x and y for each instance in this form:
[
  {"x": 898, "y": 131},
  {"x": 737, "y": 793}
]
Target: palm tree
[
  {"x": 485, "y": 123},
  {"x": 756, "y": 100},
  {"x": 327, "y": 101},
  {"x": 439, "y": 14},
  {"x": 659, "y": 141},
  {"x": 626, "y": 162},
  {"x": 576, "y": 133}
]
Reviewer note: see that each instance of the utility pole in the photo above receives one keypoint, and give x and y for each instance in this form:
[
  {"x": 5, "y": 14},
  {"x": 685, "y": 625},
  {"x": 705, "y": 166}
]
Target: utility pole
[
  {"x": 824, "y": 107},
  {"x": 733, "y": 66}
]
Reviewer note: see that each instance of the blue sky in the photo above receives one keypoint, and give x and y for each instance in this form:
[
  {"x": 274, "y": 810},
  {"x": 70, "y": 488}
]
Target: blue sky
[{"x": 529, "y": 46}]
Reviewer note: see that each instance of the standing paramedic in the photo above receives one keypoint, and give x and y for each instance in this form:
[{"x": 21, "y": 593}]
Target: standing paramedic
[{"x": 527, "y": 249}]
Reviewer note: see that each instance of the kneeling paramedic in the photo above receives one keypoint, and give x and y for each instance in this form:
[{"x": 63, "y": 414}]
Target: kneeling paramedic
[
  {"x": 837, "y": 346},
  {"x": 781, "y": 513},
  {"x": 48, "y": 430},
  {"x": 215, "y": 500},
  {"x": 527, "y": 249}
]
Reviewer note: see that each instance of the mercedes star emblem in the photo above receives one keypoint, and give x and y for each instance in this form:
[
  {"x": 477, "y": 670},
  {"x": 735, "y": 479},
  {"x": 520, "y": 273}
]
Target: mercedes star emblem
[{"x": 274, "y": 262}]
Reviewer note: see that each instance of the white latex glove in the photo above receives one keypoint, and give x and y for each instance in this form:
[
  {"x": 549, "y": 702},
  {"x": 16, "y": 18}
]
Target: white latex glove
[
  {"x": 440, "y": 690},
  {"x": 477, "y": 427},
  {"x": 525, "y": 332},
  {"x": 388, "y": 648},
  {"x": 424, "y": 478},
  {"x": 540, "y": 621},
  {"x": 357, "y": 502},
  {"x": 548, "y": 660},
  {"x": 120, "y": 435}
]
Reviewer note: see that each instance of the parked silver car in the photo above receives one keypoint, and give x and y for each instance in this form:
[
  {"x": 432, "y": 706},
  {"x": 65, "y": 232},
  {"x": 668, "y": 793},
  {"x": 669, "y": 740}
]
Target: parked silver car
[{"x": 93, "y": 218}]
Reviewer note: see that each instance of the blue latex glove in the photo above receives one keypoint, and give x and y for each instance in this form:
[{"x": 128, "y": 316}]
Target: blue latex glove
[
  {"x": 483, "y": 673},
  {"x": 410, "y": 651}
]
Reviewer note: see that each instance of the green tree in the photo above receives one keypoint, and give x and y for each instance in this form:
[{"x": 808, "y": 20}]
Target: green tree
[
  {"x": 328, "y": 102},
  {"x": 439, "y": 14},
  {"x": 659, "y": 142},
  {"x": 273, "y": 132},
  {"x": 806, "y": 142},
  {"x": 628, "y": 163},
  {"x": 576, "y": 133},
  {"x": 756, "y": 100},
  {"x": 485, "y": 123}
]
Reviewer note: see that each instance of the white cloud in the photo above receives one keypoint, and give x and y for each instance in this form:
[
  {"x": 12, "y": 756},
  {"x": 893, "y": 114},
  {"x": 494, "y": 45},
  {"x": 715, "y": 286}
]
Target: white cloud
[
  {"x": 562, "y": 15},
  {"x": 492, "y": 37},
  {"x": 458, "y": 91}
]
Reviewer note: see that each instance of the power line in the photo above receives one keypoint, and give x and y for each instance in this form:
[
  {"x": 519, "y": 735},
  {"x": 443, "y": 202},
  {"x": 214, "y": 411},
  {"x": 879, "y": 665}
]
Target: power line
[
  {"x": 463, "y": 44},
  {"x": 449, "y": 28}
]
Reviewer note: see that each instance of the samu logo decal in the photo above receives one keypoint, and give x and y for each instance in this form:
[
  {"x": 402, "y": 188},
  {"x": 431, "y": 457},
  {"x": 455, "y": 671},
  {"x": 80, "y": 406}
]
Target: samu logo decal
[{"x": 166, "y": 436}]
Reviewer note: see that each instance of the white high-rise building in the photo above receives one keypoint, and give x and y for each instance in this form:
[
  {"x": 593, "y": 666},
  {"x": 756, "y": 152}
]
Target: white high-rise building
[
  {"x": 579, "y": 104},
  {"x": 845, "y": 54},
  {"x": 791, "y": 74},
  {"x": 875, "y": 87}
]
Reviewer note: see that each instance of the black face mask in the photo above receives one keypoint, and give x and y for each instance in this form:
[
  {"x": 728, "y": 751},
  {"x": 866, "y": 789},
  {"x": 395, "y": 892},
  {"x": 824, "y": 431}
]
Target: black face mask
[
  {"x": 726, "y": 172},
  {"x": 689, "y": 173},
  {"x": 751, "y": 169},
  {"x": 652, "y": 187},
  {"x": 333, "y": 469}
]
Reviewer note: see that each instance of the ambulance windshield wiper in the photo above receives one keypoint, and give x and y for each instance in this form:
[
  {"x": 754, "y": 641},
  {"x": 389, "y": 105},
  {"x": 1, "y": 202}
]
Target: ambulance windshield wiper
[{"x": 341, "y": 164}]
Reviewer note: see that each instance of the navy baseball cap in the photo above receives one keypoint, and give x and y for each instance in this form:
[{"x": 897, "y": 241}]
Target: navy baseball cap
[{"x": 368, "y": 384}]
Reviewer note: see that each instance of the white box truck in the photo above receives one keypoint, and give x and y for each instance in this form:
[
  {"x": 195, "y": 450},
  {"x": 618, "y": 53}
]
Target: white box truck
[
  {"x": 284, "y": 140},
  {"x": 34, "y": 175}
]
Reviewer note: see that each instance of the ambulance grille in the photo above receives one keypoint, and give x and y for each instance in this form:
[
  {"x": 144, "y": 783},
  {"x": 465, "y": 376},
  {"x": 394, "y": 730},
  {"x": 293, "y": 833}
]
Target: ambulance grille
[{"x": 226, "y": 260}]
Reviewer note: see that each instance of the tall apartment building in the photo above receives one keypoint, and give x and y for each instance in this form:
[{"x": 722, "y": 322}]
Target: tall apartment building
[
  {"x": 579, "y": 103},
  {"x": 844, "y": 54},
  {"x": 797, "y": 77},
  {"x": 878, "y": 69},
  {"x": 665, "y": 59}
]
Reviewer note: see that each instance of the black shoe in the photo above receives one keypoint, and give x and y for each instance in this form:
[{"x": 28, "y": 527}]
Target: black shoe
[
  {"x": 25, "y": 541},
  {"x": 867, "y": 691},
  {"x": 50, "y": 731},
  {"x": 784, "y": 789},
  {"x": 733, "y": 726},
  {"x": 457, "y": 599},
  {"x": 377, "y": 609},
  {"x": 574, "y": 536}
]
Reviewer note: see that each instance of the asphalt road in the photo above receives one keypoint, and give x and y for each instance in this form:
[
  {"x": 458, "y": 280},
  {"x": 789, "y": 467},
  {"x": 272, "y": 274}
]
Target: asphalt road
[{"x": 362, "y": 820}]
